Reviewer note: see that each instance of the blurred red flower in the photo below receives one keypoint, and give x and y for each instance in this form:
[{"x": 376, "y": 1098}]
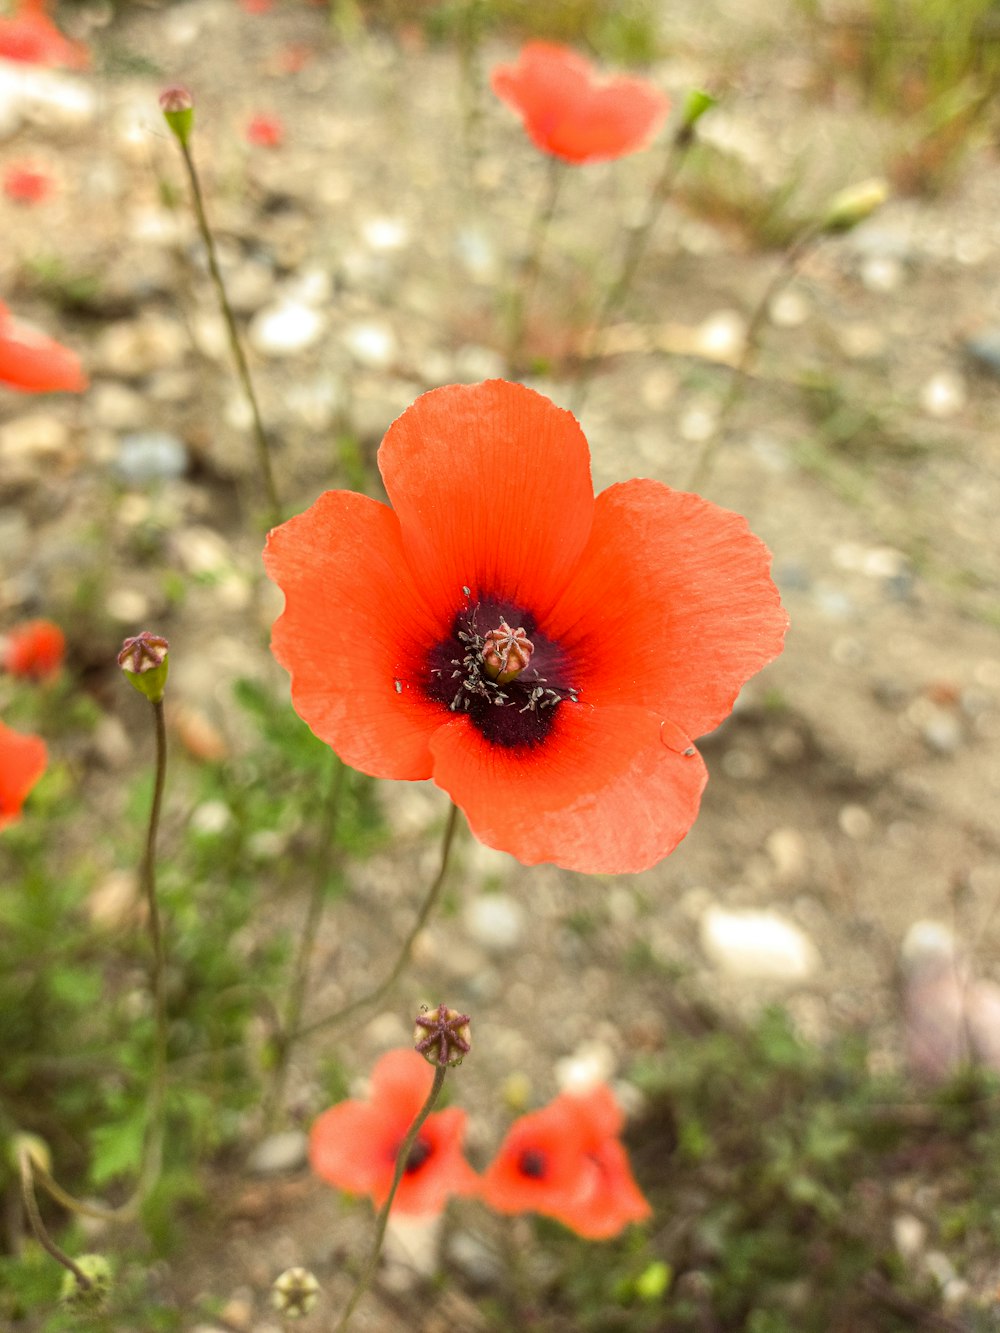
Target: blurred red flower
[
  {"x": 256, "y": 6},
  {"x": 34, "y": 648},
  {"x": 569, "y": 111},
  {"x": 31, "y": 37},
  {"x": 566, "y": 1162},
  {"x": 27, "y": 184},
  {"x": 22, "y": 763},
  {"x": 266, "y": 131},
  {"x": 33, "y": 363},
  {"x": 354, "y": 1144},
  {"x": 644, "y": 610}
]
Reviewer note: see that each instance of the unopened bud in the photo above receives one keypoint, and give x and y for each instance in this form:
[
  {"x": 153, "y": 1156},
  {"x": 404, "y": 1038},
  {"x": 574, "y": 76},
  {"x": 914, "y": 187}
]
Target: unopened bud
[
  {"x": 35, "y": 1149},
  {"x": 294, "y": 1293},
  {"x": 177, "y": 106},
  {"x": 850, "y": 206},
  {"x": 145, "y": 662},
  {"x": 91, "y": 1294},
  {"x": 697, "y": 102},
  {"x": 443, "y": 1036}
]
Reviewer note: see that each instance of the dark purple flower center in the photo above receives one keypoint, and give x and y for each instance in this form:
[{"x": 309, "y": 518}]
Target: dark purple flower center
[
  {"x": 533, "y": 1164},
  {"x": 515, "y": 713},
  {"x": 419, "y": 1155}
]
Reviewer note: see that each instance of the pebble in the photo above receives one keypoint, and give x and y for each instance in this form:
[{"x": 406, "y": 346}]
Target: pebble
[
  {"x": 44, "y": 96},
  {"x": 132, "y": 349},
  {"x": 789, "y": 309},
  {"x": 249, "y": 286},
  {"x": 237, "y": 1313},
  {"x": 128, "y": 606},
  {"x": 279, "y": 1153},
  {"x": 983, "y": 350},
  {"x": 942, "y": 732},
  {"x": 909, "y": 1235},
  {"x": 882, "y": 273},
  {"x": 787, "y": 849},
  {"x": 31, "y": 443},
  {"x": 591, "y": 1063},
  {"x": 496, "y": 922},
  {"x": 698, "y": 422},
  {"x": 944, "y": 395},
  {"x": 479, "y": 1263},
  {"x": 412, "y": 1249},
  {"x": 114, "y": 901},
  {"x": 756, "y": 944},
  {"x": 474, "y": 362},
  {"x": 721, "y": 337},
  {"x": 372, "y": 345},
  {"x": 854, "y": 821},
  {"x": 285, "y": 329},
  {"x": 116, "y": 406},
  {"x": 385, "y": 233},
  {"x": 146, "y": 457},
  {"x": 860, "y": 342}
]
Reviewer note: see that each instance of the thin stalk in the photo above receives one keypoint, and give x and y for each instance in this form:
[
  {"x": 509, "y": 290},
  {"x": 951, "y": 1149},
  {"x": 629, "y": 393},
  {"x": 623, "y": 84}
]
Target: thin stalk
[
  {"x": 635, "y": 248},
  {"x": 307, "y": 941},
  {"x": 368, "y": 1272},
  {"x": 235, "y": 342},
  {"x": 790, "y": 261},
  {"x": 384, "y": 987},
  {"x": 38, "y": 1226},
  {"x": 531, "y": 266}
]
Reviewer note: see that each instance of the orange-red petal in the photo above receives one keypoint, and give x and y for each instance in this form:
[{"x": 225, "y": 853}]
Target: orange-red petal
[
  {"x": 570, "y": 112},
  {"x": 30, "y": 37},
  {"x": 611, "y": 790},
  {"x": 672, "y": 606},
  {"x": 33, "y": 363},
  {"x": 491, "y": 484},
  {"x": 354, "y": 633},
  {"x": 34, "y": 648},
  {"x": 539, "y": 1165},
  {"x": 22, "y": 763}
]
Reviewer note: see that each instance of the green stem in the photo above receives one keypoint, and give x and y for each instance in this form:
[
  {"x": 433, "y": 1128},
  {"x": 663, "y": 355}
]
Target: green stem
[
  {"x": 402, "y": 1157},
  {"x": 235, "y": 342},
  {"x": 635, "y": 248},
  {"x": 531, "y": 267},
  {"x": 38, "y": 1226},
  {"x": 307, "y": 942},
  {"x": 790, "y": 261},
  {"x": 384, "y": 987}
]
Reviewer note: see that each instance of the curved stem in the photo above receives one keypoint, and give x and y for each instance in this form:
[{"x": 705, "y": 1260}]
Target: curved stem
[
  {"x": 402, "y": 1157},
  {"x": 235, "y": 343},
  {"x": 38, "y": 1226},
  {"x": 384, "y": 987},
  {"x": 307, "y": 942},
  {"x": 790, "y": 261},
  {"x": 532, "y": 263}
]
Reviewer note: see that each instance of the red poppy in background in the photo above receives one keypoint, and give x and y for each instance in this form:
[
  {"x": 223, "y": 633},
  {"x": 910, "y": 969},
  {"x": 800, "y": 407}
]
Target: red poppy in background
[
  {"x": 354, "y": 1144},
  {"x": 27, "y": 184},
  {"x": 34, "y": 649},
  {"x": 30, "y": 36},
  {"x": 266, "y": 131},
  {"x": 33, "y": 363},
  {"x": 566, "y": 1161},
  {"x": 22, "y": 763},
  {"x": 569, "y": 111},
  {"x": 644, "y": 610}
]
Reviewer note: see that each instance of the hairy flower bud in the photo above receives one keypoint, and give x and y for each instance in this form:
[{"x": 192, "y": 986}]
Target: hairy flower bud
[
  {"x": 97, "y": 1271},
  {"x": 852, "y": 205},
  {"x": 177, "y": 106},
  {"x": 443, "y": 1036},
  {"x": 145, "y": 662},
  {"x": 294, "y": 1293}
]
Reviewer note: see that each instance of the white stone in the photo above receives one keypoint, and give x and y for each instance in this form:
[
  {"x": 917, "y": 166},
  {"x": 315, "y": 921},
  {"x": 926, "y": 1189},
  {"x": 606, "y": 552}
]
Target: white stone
[
  {"x": 787, "y": 849},
  {"x": 855, "y": 821},
  {"x": 944, "y": 395},
  {"x": 279, "y": 1153},
  {"x": 757, "y": 944},
  {"x": 285, "y": 329},
  {"x": 372, "y": 345},
  {"x": 495, "y": 921},
  {"x": 44, "y": 96},
  {"x": 385, "y": 233},
  {"x": 788, "y": 310},
  {"x": 591, "y": 1063},
  {"x": 909, "y": 1234},
  {"x": 721, "y": 336}
]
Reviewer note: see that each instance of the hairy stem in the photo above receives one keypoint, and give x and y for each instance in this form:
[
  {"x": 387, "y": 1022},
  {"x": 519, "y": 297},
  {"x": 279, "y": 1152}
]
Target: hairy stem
[
  {"x": 426, "y": 907},
  {"x": 368, "y": 1272}
]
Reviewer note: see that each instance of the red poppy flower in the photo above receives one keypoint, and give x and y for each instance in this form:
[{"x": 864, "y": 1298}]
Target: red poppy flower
[
  {"x": 33, "y": 363},
  {"x": 354, "y": 1144},
  {"x": 266, "y": 131},
  {"x": 26, "y": 184},
  {"x": 644, "y": 611},
  {"x": 569, "y": 111},
  {"x": 31, "y": 37},
  {"x": 22, "y": 763},
  {"x": 565, "y": 1161},
  {"x": 34, "y": 649}
]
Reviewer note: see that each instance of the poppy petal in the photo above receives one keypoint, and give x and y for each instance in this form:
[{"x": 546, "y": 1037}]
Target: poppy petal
[
  {"x": 34, "y": 363},
  {"x": 352, "y": 615},
  {"x": 672, "y": 606},
  {"x": 402, "y": 1079},
  {"x": 609, "y": 791},
  {"x": 349, "y": 1147},
  {"x": 445, "y": 1172},
  {"x": 22, "y": 763},
  {"x": 538, "y": 1165},
  {"x": 609, "y": 1198},
  {"x": 491, "y": 483}
]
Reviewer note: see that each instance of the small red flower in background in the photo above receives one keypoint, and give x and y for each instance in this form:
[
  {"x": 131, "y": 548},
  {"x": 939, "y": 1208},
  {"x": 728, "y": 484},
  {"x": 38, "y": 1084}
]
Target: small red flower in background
[
  {"x": 354, "y": 1144},
  {"x": 33, "y": 363},
  {"x": 27, "y": 184},
  {"x": 34, "y": 649},
  {"x": 266, "y": 131},
  {"x": 30, "y": 37},
  {"x": 566, "y": 1162},
  {"x": 256, "y": 6},
  {"x": 569, "y": 111},
  {"x": 22, "y": 763},
  {"x": 646, "y": 610}
]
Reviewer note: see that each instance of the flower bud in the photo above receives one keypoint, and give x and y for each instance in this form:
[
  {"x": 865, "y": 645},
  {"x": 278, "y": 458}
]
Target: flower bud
[
  {"x": 145, "y": 662},
  {"x": 177, "y": 106},
  {"x": 443, "y": 1036},
  {"x": 34, "y": 1148},
  {"x": 697, "y": 102},
  {"x": 852, "y": 205},
  {"x": 97, "y": 1271},
  {"x": 294, "y": 1293}
]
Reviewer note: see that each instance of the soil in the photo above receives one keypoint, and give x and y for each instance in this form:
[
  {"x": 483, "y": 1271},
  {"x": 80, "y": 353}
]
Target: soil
[{"x": 853, "y": 793}]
